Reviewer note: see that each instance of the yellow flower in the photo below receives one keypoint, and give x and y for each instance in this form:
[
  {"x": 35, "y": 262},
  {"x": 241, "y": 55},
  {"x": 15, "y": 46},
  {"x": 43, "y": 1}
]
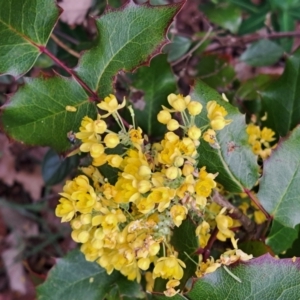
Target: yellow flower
[
  {"x": 111, "y": 105},
  {"x": 253, "y": 132},
  {"x": 194, "y": 133},
  {"x": 216, "y": 114},
  {"x": 114, "y": 160},
  {"x": 111, "y": 140},
  {"x": 259, "y": 217},
  {"x": 164, "y": 116},
  {"x": 204, "y": 187},
  {"x": 170, "y": 292},
  {"x": 202, "y": 231},
  {"x": 178, "y": 102},
  {"x": 207, "y": 267},
  {"x": 178, "y": 214},
  {"x": 209, "y": 136},
  {"x": 169, "y": 268},
  {"x": 172, "y": 125},
  {"x": 65, "y": 210},
  {"x": 96, "y": 150},
  {"x": 173, "y": 172},
  {"x": 267, "y": 135},
  {"x": 136, "y": 135},
  {"x": 194, "y": 108}
]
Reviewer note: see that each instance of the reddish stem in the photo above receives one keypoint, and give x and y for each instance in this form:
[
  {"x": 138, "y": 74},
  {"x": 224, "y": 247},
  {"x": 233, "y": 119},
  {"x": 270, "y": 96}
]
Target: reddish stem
[
  {"x": 256, "y": 202},
  {"x": 94, "y": 96}
]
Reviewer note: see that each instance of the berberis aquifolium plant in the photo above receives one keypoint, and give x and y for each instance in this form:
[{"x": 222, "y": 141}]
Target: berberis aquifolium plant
[{"x": 179, "y": 197}]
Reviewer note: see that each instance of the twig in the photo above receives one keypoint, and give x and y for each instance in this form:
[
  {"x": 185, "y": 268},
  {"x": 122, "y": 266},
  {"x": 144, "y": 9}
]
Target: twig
[
  {"x": 236, "y": 213},
  {"x": 189, "y": 53},
  {"x": 64, "y": 46},
  {"x": 256, "y": 202},
  {"x": 66, "y": 37},
  {"x": 94, "y": 96}
]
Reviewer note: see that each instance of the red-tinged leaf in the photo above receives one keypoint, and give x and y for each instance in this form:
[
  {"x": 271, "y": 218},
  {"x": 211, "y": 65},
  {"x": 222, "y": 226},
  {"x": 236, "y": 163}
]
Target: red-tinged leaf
[{"x": 24, "y": 27}]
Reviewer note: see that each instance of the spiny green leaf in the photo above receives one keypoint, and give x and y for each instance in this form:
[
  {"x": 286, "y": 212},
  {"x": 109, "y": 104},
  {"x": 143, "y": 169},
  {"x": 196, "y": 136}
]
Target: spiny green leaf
[
  {"x": 234, "y": 161},
  {"x": 281, "y": 238},
  {"x": 37, "y": 115},
  {"x": 74, "y": 278},
  {"x": 156, "y": 82},
  {"x": 262, "y": 278},
  {"x": 24, "y": 26},
  {"x": 279, "y": 191},
  {"x": 281, "y": 99},
  {"x": 262, "y": 53},
  {"x": 128, "y": 37}
]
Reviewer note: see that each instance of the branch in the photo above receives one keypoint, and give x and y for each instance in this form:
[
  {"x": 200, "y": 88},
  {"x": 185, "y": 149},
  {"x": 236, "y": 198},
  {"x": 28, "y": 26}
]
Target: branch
[
  {"x": 94, "y": 96},
  {"x": 64, "y": 46},
  {"x": 236, "y": 213}
]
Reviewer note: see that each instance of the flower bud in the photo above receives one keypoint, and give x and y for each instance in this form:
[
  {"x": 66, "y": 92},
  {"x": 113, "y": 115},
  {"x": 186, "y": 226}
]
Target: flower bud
[
  {"x": 164, "y": 117},
  {"x": 111, "y": 140},
  {"x": 172, "y": 173},
  {"x": 194, "y": 108},
  {"x": 194, "y": 133},
  {"x": 172, "y": 125}
]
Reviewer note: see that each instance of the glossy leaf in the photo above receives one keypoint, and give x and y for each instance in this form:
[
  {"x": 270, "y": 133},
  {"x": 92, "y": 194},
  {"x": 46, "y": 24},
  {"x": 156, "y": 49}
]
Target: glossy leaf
[
  {"x": 225, "y": 15},
  {"x": 286, "y": 23},
  {"x": 234, "y": 161},
  {"x": 24, "y": 26},
  {"x": 279, "y": 191},
  {"x": 262, "y": 53},
  {"x": 281, "y": 238},
  {"x": 156, "y": 83},
  {"x": 128, "y": 37},
  {"x": 75, "y": 278},
  {"x": 37, "y": 114},
  {"x": 178, "y": 47},
  {"x": 56, "y": 168},
  {"x": 261, "y": 278},
  {"x": 256, "y": 248},
  {"x": 281, "y": 99}
]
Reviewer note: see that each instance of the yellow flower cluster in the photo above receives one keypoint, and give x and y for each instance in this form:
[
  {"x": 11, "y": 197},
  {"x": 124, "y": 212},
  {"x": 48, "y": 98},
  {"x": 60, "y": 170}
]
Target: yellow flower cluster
[
  {"x": 127, "y": 225},
  {"x": 260, "y": 140}
]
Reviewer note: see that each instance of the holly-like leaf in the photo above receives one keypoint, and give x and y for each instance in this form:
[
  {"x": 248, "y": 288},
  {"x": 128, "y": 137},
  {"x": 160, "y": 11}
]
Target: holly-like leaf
[
  {"x": 24, "y": 27},
  {"x": 156, "y": 82},
  {"x": 234, "y": 160},
  {"x": 37, "y": 114},
  {"x": 262, "y": 53},
  {"x": 281, "y": 99},
  {"x": 261, "y": 278},
  {"x": 128, "y": 37},
  {"x": 279, "y": 191},
  {"x": 75, "y": 278},
  {"x": 281, "y": 238}
]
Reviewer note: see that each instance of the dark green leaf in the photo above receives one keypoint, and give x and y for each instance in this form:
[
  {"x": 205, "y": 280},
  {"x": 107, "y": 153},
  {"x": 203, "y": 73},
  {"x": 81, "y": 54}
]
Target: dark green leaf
[
  {"x": 281, "y": 99},
  {"x": 253, "y": 23},
  {"x": 225, "y": 15},
  {"x": 281, "y": 238},
  {"x": 279, "y": 191},
  {"x": 37, "y": 114},
  {"x": 24, "y": 26},
  {"x": 184, "y": 240},
  {"x": 234, "y": 161},
  {"x": 156, "y": 82},
  {"x": 128, "y": 37},
  {"x": 55, "y": 168},
  {"x": 262, "y": 53},
  {"x": 178, "y": 47},
  {"x": 246, "y": 5},
  {"x": 286, "y": 23},
  {"x": 215, "y": 71},
  {"x": 74, "y": 278},
  {"x": 295, "y": 248},
  {"x": 256, "y": 248}
]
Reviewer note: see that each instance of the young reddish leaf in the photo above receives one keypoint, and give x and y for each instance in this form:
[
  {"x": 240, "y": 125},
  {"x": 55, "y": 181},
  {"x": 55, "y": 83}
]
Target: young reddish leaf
[
  {"x": 234, "y": 160},
  {"x": 279, "y": 191},
  {"x": 264, "y": 277},
  {"x": 24, "y": 26},
  {"x": 128, "y": 38},
  {"x": 37, "y": 114}
]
